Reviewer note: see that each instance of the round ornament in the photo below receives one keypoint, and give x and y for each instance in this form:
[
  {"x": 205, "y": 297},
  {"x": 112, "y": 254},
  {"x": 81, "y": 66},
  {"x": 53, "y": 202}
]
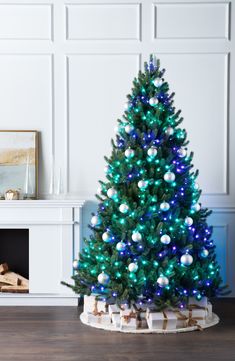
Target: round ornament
[
  {"x": 120, "y": 246},
  {"x": 106, "y": 236},
  {"x": 111, "y": 193},
  {"x": 204, "y": 253},
  {"x": 106, "y": 169},
  {"x": 163, "y": 281},
  {"x": 152, "y": 152},
  {"x": 157, "y": 82},
  {"x": 153, "y": 102},
  {"x": 103, "y": 278},
  {"x": 95, "y": 220},
  {"x": 136, "y": 236},
  {"x": 129, "y": 153},
  {"x": 196, "y": 207},
  {"x": 133, "y": 267},
  {"x": 123, "y": 208},
  {"x": 75, "y": 264},
  {"x": 169, "y": 131},
  {"x": 182, "y": 152},
  {"x": 188, "y": 221},
  {"x": 142, "y": 184},
  {"x": 165, "y": 239},
  {"x": 186, "y": 259},
  {"x": 169, "y": 177},
  {"x": 127, "y": 105},
  {"x": 129, "y": 128},
  {"x": 164, "y": 206}
]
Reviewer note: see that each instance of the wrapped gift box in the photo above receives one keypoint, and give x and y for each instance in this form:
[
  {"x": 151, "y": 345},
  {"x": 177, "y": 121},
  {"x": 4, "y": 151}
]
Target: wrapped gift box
[
  {"x": 114, "y": 313},
  {"x": 132, "y": 320},
  {"x": 201, "y": 303},
  {"x": 101, "y": 318},
  {"x": 161, "y": 320},
  {"x": 198, "y": 315},
  {"x": 209, "y": 310},
  {"x": 91, "y": 304}
]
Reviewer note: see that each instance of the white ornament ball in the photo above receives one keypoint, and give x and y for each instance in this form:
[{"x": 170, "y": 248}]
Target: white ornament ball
[
  {"x": 106, "y": 236},
  {"x": 75, "y": 264},
  {"x": 103, "y": 278},
  {"x": 169, "y": 131},
  {"x": 129, "y": 128},
  {"x": 204, "y": 253},
  {"x": 133, "y": 267},
  {"x": 153, "y": 101},
  {"x": 129, "y": 153},
  {"x": 169, "y": 177},
  {"x": 188, "y": 221},
  {"x": 142, "y": 184},
  {"x": 111, "y": 193},
  {"x": 163, "y": 281},
  {"x": 186, "y": 259},
  {"x": 136, "y": 236},
  {"x": 157, "y": 82},
  {"x": 165, "y": 239},
  {"x": 120, "y": 246},
  {"x": 196, "y": 186},
  {"x": 106, "y": 169},
  {"x": 182, "y": 152},
  {"x": 196, "y": 207},
  {"x": 123, "y": 208},
  {"x": 152, "y": 152},
  {"x": 95, "y": 220},
  {"x": 164, "y": 206}
]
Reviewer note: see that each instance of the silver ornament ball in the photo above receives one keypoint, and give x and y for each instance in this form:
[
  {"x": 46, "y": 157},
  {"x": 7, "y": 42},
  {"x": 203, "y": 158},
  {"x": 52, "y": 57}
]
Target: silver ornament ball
[
  {"x": 188, "y": 221},
  {"x": 169, "y": 177},
  {"x": 157, "y": 82},
  {"x": 142, "y": 184},
  {"x": 123, "y": 208},
  {"x": 153, "y": 101},
  {"x": 163, "y": 281},
  {"x": 196, "y": 207},
  {"x": 165, "y": 239},
  {"x": 103, "y": 278},
  {"x": 133, "y": 267},
  {"x": 95, "y": 220},
  {"x": 186, "y": 259},
  {"x": 75, "y": 264},
  {"x": 204, "y": 253},
  {"x": 164, "y": 206},
  {"x": 152, "y": 152},
  {"x": 169, "y": 131},
  {"x": 106, "y": 236},
  {"x": 120, "y": 246},
  {"x": 136, "y": 236},
  {"x": 129, "y": 128},
  {"x": 111, "y": 193},
  {"x": 129, "y": 153},
  {"x": 182, "y": 152}
]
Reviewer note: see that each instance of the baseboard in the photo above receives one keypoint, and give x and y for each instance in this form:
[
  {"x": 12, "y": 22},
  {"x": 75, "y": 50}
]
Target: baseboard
[{"x": 38, "y": 300}]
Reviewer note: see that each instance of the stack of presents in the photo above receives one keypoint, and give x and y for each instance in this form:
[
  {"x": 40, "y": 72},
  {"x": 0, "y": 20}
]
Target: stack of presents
[{"x": 129, "y": 318}]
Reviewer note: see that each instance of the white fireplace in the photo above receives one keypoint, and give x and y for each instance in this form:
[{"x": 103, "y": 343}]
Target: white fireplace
[{"x": 54, "y": 240}]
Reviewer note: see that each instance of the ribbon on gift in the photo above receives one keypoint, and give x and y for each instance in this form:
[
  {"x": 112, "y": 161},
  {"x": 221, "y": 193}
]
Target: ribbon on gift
[
  {"x": 190, "y": 321},
  {"x": 95, "y": 311},
  {"x": 127, "y": 318},
  {"x": 139, "y": 319},
  {"x": 165, "y": 318}
]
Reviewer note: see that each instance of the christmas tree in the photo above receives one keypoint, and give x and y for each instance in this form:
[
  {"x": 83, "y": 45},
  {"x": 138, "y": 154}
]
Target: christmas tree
[{"x": 150, "y": 240}]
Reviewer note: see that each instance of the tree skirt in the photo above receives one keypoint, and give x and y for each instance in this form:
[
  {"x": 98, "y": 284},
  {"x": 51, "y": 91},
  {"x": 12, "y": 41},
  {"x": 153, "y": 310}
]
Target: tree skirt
[{"x": 212, "y": 321}]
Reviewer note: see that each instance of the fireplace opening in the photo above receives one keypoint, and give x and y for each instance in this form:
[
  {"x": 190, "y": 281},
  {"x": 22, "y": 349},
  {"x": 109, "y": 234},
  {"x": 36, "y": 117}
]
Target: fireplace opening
[{"x": 14, "y": 260}]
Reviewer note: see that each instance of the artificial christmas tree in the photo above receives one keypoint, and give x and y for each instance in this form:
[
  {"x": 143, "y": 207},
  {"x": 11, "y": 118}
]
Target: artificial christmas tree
[{"x": 150, "y": 242}]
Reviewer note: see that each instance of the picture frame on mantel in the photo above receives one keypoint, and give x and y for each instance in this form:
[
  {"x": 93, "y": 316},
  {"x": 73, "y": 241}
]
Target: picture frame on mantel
[{"x": 18, "y": 164}]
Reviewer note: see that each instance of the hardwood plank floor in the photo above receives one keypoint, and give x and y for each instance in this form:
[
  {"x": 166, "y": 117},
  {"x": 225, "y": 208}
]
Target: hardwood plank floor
[{"x": 56, "y": 334}]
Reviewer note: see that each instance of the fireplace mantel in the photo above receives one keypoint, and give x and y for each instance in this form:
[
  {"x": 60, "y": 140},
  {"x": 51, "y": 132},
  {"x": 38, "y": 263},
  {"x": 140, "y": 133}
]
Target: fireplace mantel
[{"x": 54, "y": 241}]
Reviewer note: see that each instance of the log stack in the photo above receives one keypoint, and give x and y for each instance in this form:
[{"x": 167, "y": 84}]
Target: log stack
[{"x": 11, "y": 282}]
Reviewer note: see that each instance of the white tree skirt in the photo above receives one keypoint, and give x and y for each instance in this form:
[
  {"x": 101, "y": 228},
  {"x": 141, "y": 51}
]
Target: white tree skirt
[{"x": 209, "y": 323}]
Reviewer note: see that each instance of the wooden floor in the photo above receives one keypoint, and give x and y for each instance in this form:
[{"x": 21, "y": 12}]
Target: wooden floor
[{"x": 55, "y": 333}]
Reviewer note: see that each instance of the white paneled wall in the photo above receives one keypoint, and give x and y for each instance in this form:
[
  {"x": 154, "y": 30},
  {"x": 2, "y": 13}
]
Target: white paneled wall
[{"x": 66, "y": 67}]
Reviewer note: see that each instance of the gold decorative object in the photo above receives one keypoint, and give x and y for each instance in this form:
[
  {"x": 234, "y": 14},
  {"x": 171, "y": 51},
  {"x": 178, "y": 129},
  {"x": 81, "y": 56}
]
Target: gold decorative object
[{"x": 12, "y": 194}]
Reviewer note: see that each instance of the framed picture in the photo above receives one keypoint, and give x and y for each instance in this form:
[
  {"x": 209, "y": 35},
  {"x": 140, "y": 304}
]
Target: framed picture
[{"x": 19, "y": 163}]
